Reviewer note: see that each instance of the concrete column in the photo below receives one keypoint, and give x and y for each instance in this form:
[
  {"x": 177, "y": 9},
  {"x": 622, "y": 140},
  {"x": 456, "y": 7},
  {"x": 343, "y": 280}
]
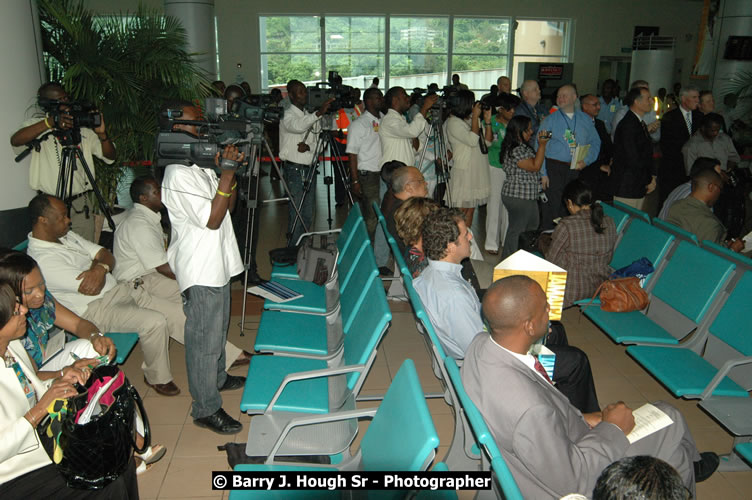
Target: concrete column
[
  {"x": 22, "y": 60},
  {"x": 197, "y": 17},
  {"x": 653, "y": 66}
]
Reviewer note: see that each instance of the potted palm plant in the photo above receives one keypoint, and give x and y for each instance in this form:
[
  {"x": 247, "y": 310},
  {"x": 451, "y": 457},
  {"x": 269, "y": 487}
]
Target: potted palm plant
[{"x": 127, "y": 65}]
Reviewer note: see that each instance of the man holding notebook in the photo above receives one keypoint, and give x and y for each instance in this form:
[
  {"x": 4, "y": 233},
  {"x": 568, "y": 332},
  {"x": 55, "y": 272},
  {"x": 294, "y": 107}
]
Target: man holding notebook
[{"x": 549, "y": 446}]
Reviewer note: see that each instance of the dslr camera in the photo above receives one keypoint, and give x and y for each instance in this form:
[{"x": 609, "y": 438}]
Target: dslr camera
[
  {"x": 331, "y": 89},
  {"x": 83, "y": 113}
]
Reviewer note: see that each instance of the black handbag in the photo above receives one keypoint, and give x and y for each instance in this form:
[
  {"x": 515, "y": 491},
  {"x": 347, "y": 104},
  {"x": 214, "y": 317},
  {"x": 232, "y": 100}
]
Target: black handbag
[{"x": 98, "y": 452}]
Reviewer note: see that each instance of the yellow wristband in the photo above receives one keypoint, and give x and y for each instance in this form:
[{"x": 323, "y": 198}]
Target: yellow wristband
[
  {"x": 234, "y": 186},
  {"x": 221, "y": 193},
  {"x": 46, "y": 122}
]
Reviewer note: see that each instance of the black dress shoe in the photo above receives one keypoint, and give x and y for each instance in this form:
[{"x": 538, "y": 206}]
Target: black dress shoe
[
  {"x": 233, "y": 382},
  {"x": 220, "y": 422},
  {"x": 706, "y": 466}
]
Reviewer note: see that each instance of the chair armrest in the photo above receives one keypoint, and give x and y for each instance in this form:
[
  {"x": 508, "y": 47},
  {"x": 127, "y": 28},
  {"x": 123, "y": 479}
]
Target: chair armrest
[
  {"x": 329, "y": 231},
  {"x": 317, "y": 419},
  {"x": 725, "y": 369},
  {"x": 324, "y": 372}
]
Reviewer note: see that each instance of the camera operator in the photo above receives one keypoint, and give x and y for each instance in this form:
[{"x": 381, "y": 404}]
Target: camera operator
[
  {"x": 297, "y": 139},
  {"x": 399, "y": 138},
  {"x": 204, "y": 255},
  {"x": 46, "y": 163}
]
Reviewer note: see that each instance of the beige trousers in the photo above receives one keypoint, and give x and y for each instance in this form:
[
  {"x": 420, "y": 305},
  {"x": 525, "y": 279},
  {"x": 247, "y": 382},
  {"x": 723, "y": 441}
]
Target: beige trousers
[{"x": 162, "y": 294}]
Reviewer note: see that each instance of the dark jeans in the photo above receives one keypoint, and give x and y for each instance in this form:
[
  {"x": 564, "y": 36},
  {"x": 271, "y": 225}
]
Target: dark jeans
[
  {"x": 559, "y": 175},
  {"x": 295, "y": 175},
  {"x": 48, "y": 483},
  {"x": 523, "y": 216},
  {"x": 370, "y": 184},
  {"x": 207, "y": 317}
]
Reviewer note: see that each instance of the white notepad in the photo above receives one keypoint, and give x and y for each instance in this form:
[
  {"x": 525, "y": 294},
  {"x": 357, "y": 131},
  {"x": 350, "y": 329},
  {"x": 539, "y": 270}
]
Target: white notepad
[{"x": 648, "y": 419}]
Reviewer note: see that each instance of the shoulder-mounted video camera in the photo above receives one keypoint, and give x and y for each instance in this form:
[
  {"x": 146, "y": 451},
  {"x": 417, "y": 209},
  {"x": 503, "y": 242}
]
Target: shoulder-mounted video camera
[
  {"x": 333, "y": 88},
  {"x": 84, "y": 114}
]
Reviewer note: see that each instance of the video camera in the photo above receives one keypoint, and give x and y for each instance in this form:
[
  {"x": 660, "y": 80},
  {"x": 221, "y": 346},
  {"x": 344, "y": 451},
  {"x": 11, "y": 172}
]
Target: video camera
[
  {"x": 218, "y": 131},
  {"x": 333, "y": 88},
  {"x": 83, "y": 113},
  {"x": 447, "y": 96}
]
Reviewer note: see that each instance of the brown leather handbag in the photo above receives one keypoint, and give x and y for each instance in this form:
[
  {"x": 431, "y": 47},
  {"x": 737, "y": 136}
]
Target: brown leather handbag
[{"x": 622, "y": 295}]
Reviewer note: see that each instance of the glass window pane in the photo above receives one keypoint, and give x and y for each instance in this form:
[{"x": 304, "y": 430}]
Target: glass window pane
[
  {"x": 479, "y": 72},
  {"x": 546, "y": 38},
  {"x": 418, "y": 34},
  {"x": 356, "y": 70},
  {"x": 481, "y": 35},
  {"x": 290, "y": 34},
  {"x": 355, "y": 34},
  {"x": 417, "y": 70},
  {"x": 278, "y": 69}
]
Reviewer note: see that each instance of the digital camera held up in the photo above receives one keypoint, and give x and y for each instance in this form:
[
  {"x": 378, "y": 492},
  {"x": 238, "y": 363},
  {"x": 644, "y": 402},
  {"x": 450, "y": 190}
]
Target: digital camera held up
[{"x": 343, "y": 95}]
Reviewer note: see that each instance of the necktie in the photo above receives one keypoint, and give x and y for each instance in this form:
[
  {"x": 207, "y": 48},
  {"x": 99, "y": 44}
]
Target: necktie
[
  {"x": 688, "y": 119},
  {"x": 644, "y": 127},
  {"x": 539, "y": 368}
]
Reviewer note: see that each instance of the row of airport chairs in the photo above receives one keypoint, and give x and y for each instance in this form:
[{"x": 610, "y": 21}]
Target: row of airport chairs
[
  {"x": 473, "y": 446},
  {"x": 304, "y": 395},
  {"x": 695, "y": 337}
]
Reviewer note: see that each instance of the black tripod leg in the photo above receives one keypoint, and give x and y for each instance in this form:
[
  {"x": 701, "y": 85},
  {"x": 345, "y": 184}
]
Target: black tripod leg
[{"x": 102, "y": 202}]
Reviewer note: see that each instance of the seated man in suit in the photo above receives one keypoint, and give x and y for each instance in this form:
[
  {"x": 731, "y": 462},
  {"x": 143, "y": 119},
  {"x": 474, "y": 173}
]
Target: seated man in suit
[
  {"x": 695, "y": 212},
  {"x": 454, "y": 309},
  {"x": 550, "y": 448}
]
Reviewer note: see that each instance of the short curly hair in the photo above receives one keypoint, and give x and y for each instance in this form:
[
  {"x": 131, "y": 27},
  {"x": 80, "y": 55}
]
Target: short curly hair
[
  {"x": 439, "y": 229},
  {"x": 409, "y": 218}
]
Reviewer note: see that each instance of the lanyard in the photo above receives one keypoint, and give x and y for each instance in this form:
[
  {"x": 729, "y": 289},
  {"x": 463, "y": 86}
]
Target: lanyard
[{"x": 566, "y": 120}]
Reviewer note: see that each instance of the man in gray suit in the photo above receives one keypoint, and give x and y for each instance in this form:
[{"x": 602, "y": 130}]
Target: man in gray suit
[{"x": 551, "y": 449}]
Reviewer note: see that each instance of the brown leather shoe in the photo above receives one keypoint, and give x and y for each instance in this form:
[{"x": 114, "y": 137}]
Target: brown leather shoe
[{"x": 168, "y": 389}]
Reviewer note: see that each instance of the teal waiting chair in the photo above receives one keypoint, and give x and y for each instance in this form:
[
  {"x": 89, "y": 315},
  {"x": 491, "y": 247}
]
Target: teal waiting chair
[
  {"x": 679, "y": 301},
  {"x": 400, "y": 437},
  {"x": 314, "y": 335},
  {"x": 743, "y": 262},
  {"x": 437, "y": 494},
  {"x": 483, "y": 436},
  {"x": 745, "y": 450},
  {"x": 632, "y": 211},
  {"x": 620, "y": 216},
  {"x": 282, "y": 387},
  {"x": 726, "y": 345},
  {"x": 680, "y": 233},
  {"x": 735, "y": 415}
]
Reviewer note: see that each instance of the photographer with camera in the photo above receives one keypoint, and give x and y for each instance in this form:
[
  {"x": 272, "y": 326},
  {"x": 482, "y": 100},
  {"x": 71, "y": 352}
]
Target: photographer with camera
[
  {"x": 469, "y": 184},
  {"x": 204, "y": 255},
  {"x": 61, "y": 122},
  {"x": 297, "y": 139},
  {"x": 399, "y": 138}
]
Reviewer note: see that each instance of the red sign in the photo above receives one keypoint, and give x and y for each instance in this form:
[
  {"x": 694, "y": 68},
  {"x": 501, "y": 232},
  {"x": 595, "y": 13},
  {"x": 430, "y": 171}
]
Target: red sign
[{"x": 550, "y": 71}]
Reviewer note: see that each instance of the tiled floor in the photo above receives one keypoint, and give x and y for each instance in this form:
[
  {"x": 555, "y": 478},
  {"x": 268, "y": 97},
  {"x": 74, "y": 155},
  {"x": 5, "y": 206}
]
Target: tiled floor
[{"x": 192, "y": 452}]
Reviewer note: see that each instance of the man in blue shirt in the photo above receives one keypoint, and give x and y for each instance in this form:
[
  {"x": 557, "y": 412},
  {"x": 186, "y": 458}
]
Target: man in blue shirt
[{"x": 570, "y": 129}]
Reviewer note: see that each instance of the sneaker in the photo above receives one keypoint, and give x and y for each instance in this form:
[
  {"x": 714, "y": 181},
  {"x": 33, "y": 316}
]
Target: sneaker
[
  {"x": 232, "y": 382},
  {"x": 220, "y": 422}
]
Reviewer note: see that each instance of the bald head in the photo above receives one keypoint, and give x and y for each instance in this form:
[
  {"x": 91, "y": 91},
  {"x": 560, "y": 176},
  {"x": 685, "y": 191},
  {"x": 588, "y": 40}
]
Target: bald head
[
  {"x": 530, "y": 92},
  {"x": 565, "y": 98},
  {"x": 516, "y": 310}
]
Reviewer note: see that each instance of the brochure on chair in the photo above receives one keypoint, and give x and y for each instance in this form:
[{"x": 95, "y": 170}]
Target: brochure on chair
[
  {"x": 276, "y": 292},
  {"x": 648, "y": 419}
]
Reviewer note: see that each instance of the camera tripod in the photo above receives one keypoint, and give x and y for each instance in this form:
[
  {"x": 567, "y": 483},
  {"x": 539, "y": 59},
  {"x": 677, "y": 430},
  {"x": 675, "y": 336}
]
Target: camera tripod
[
  {"x": 435, "y": 136},
  {"x": 325, "y": 140},
  {"x": 69, "y": 160}
]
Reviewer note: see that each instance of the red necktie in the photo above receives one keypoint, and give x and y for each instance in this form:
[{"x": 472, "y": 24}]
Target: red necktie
[{"x": 539, "y": 368}]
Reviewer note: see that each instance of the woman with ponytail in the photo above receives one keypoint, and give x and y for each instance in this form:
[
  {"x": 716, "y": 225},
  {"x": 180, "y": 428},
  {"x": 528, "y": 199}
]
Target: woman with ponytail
[{"x": 583, "y": 243}]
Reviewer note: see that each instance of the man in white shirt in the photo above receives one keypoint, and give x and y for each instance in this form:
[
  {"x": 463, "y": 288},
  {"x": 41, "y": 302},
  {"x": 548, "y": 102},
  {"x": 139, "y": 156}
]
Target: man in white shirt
[
  {"x": 77, "y": 274},
  {"x": 140, "y": 250},
  {"x": 399, "y": 138},
  {"x": 297, "y": 140},
  {"x": 364, "y": 148},
  {"x": 45, "y": 162},
  {"x": 204, "y": 256}
]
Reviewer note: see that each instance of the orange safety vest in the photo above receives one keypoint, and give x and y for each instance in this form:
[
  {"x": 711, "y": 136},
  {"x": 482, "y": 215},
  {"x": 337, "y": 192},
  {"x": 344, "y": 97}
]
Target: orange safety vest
[{"x": 343, "y": 121}]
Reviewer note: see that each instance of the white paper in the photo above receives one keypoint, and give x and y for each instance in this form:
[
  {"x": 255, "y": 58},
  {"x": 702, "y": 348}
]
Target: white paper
[
  {"x": 579, "y": 154},
  {"x": 648, "y": 419},
  {"x": 748, "y": 241},
  {"x": 525, "y": 261},
  {"x": 55, "y": 344}
]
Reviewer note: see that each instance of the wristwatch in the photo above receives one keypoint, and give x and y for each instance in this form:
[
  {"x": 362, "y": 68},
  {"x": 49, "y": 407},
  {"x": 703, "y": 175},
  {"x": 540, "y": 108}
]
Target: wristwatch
[{"x": 105, "y": 266}]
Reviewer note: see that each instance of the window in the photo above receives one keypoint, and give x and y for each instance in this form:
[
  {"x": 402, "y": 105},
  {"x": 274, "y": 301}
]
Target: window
[
  {"x": 409, "y": 51},
  {"x": 290, "y": 49},
  {"x": 540, "y": 40},
  {"x": 480, "y": 52},
  {"x": 418, "y": 52}
]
